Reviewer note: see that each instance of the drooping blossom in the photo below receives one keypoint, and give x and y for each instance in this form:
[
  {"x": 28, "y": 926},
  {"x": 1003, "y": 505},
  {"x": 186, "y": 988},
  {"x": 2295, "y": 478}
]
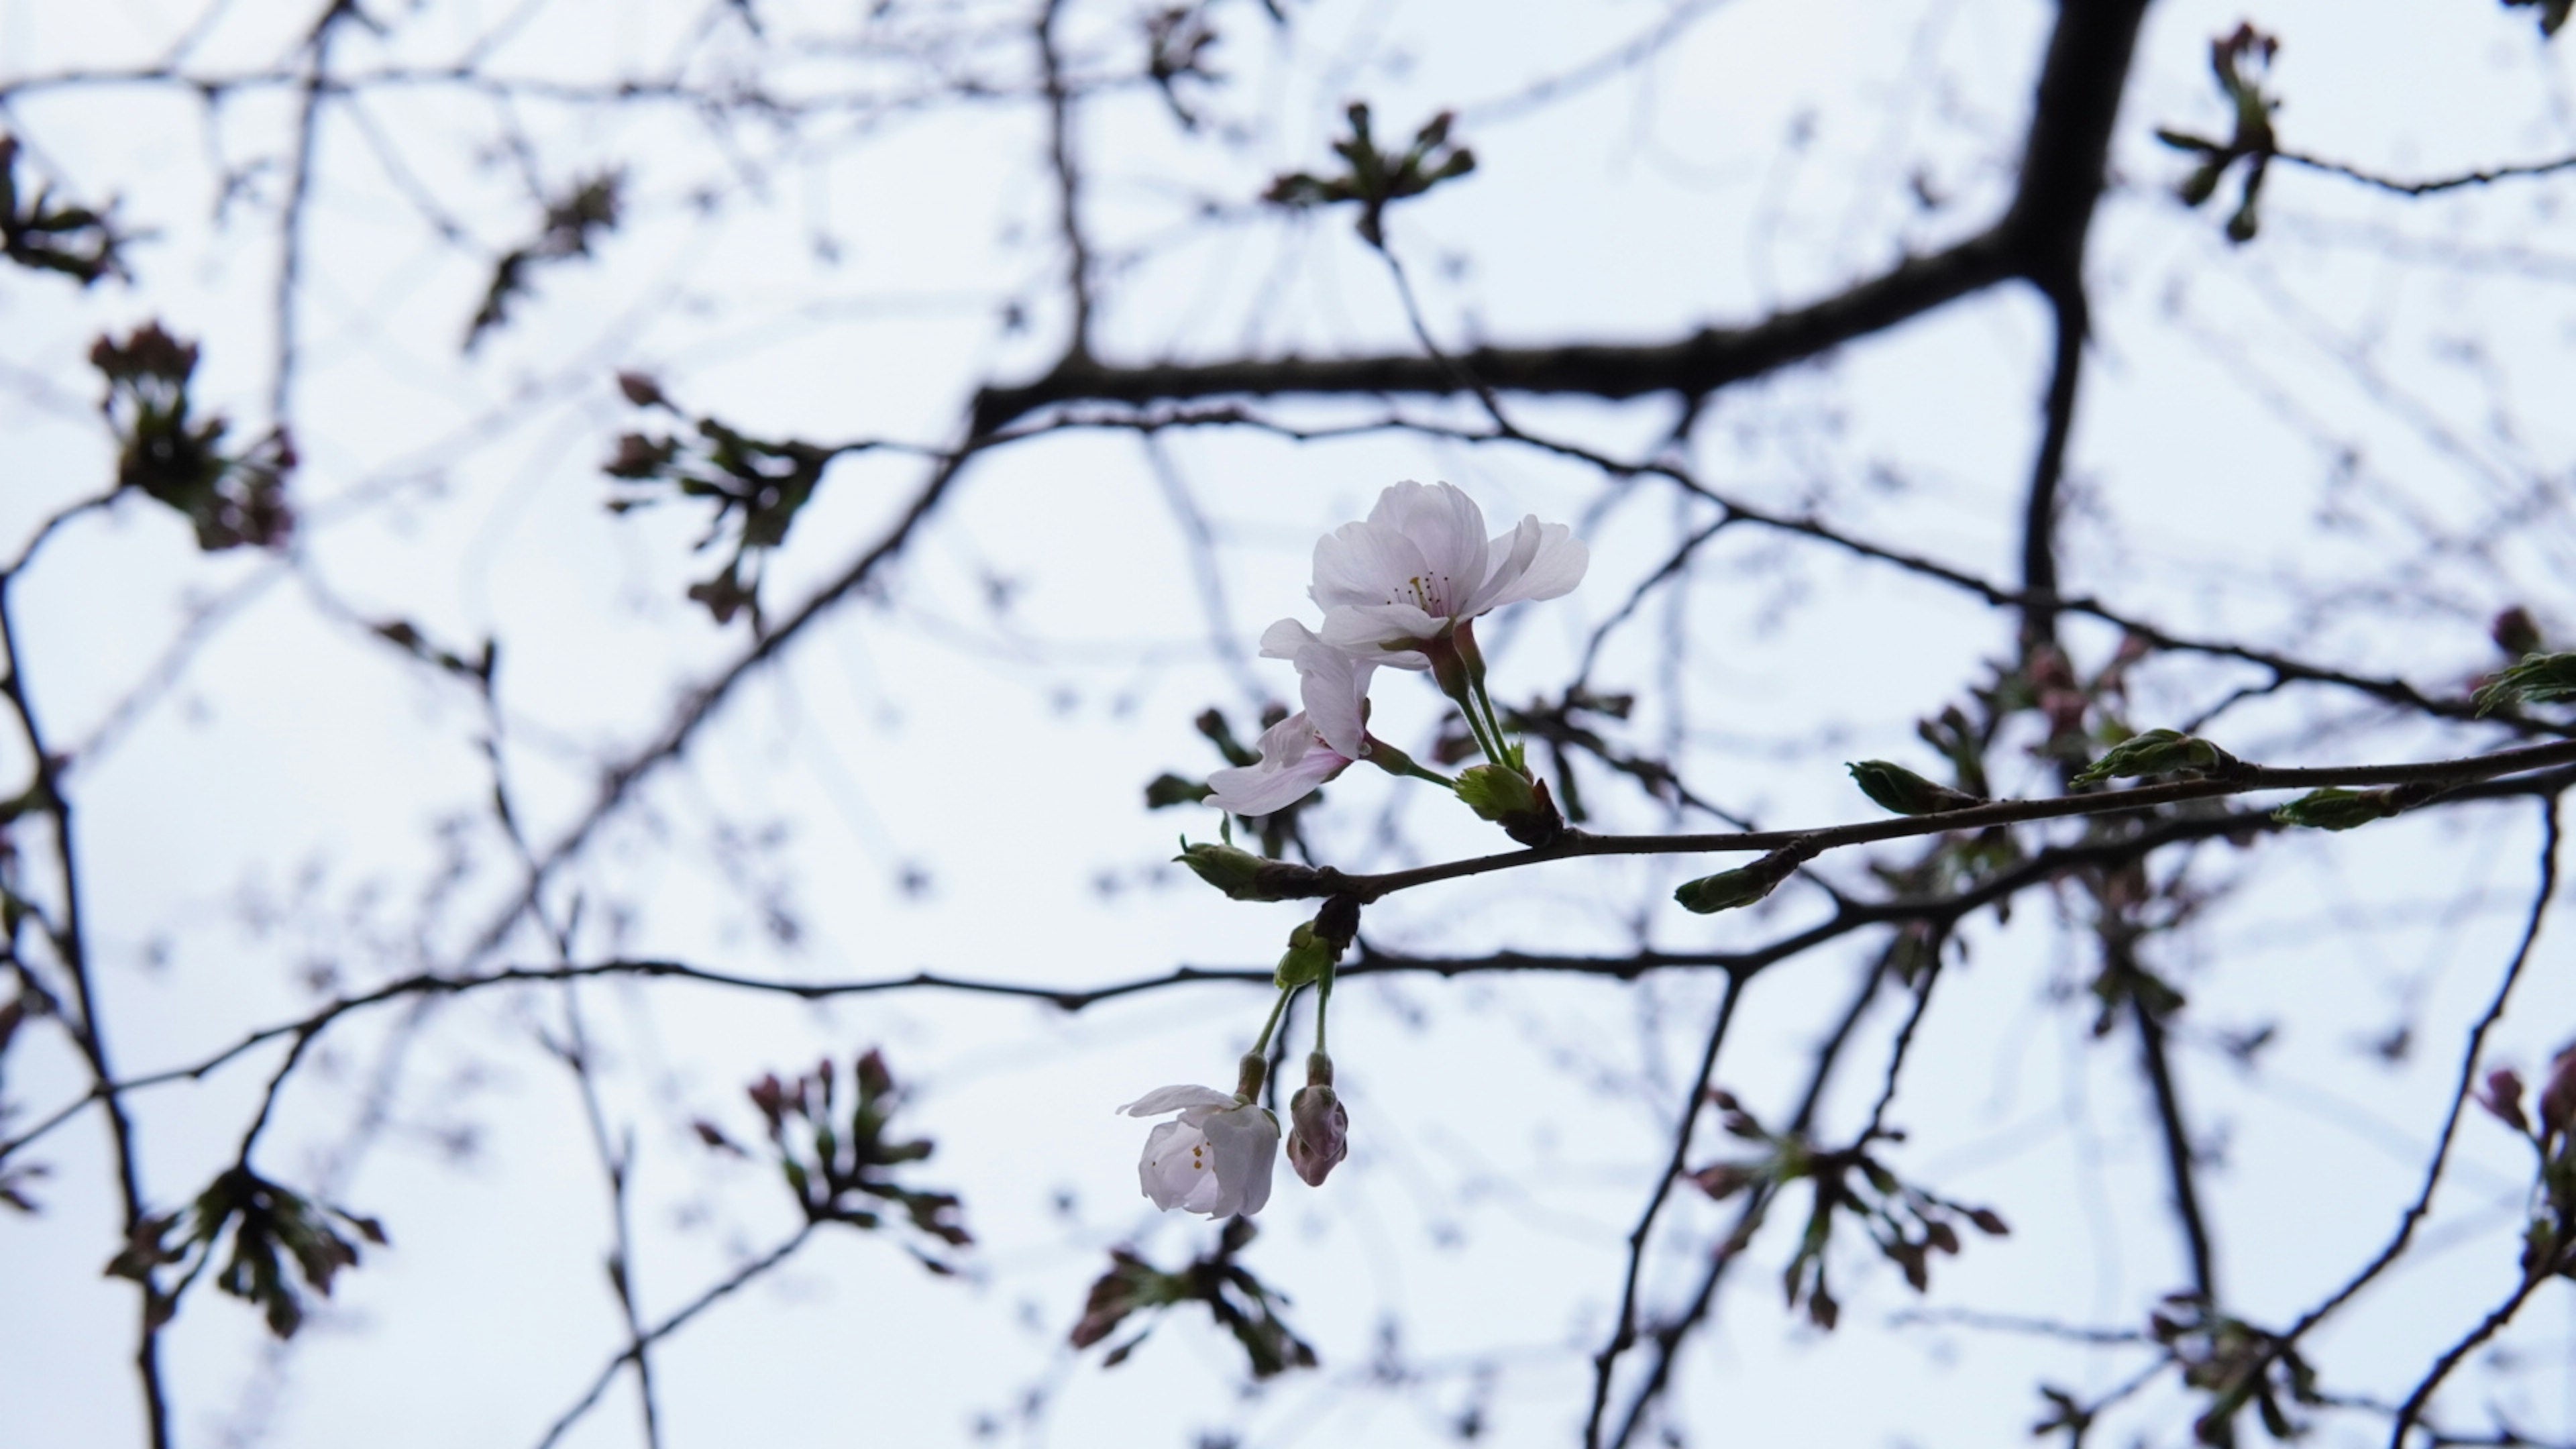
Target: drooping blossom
[
  {"x": 1214, "y": 1158},
  {"x": 1311, "y": 746},
  {"x": 1394, "y": 587}
]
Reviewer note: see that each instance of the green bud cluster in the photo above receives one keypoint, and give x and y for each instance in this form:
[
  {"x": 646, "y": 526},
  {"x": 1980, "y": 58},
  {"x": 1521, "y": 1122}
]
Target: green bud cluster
[
  {"x": 1315, "y": 946},
  {"x": 1495, "y": 793},
  {"x": 2538, "y": 679},
  {"x": 1510, "y": 798}
]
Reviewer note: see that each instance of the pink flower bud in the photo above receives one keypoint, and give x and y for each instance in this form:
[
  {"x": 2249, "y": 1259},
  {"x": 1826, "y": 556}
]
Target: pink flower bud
[
  {"x": 2502, "y": 1097},
  {"x": 2558, "y": 1095},
  {"x": 1318, "y": 1132}
]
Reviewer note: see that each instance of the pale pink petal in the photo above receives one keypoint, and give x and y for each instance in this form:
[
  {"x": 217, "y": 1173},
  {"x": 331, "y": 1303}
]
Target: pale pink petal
[
  {"x": 1175, "y": 1165},
  {"x": 1171, "y": 1099},
  {"x": 1383, "y": 633},
  {"x": 1292, "y": 765},
  {"x": 1512, "y": 553},
  {"x": 1447, "y": 527},
  {"x": 1334, "y": 686},
  {"x": 1283, "y": 639},
  {"x": 1361, "y": 563},
  {"x": 1557, "y": 562},
  {"x": 1245, "y": 1145}
]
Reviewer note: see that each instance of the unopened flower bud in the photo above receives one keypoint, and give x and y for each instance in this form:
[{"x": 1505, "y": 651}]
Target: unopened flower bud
[
  {"x": 1894, "y": 787},
  {"x": 770, "y": 1097},
  {"x": 641, "y": 390},
  {"x": 1166, "y": 790},
  {"x": 2558, "y": 1095},
  {"x": 2502, "y": 1097},
  {"x": 1244, "y": 876},
  {"x": 1723, "y": 1180},
  {"x": 873, "y": 1078},
  {"x": 2516, "y": 632},
  {"x": 2201, "y": 183},
  {"x": 640, "y": 457},
  {"x": 1318, "y": 1124},
  {"x": 2157, "y": 752}
]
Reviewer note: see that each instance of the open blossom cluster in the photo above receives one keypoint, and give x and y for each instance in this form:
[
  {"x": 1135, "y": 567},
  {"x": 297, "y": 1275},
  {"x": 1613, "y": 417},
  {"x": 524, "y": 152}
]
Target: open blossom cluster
[
  {"x": 1395, "y": 588},
  {"x": 1399, "y": 589}
]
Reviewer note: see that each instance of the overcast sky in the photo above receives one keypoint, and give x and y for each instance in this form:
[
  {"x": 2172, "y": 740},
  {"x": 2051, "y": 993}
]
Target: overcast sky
[{"x": 2291, "y": 441}]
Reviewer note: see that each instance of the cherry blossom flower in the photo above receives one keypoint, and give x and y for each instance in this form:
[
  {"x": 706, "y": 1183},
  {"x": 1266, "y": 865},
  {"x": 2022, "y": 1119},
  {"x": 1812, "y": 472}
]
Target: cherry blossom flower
[
  {"x": 1214, "y": 1158},
  {"x": 1311, "y": 746},
  {"x": 1394, "y": 588}
]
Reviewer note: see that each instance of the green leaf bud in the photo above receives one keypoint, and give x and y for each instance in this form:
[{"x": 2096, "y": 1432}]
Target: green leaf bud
[
  {"x": 1168, "y": 789},
  {"x": 2158, "y": 752},
  {"x": 1306, "y": 960},
  {"x": 1495, "y": 793},
  {"x": 1893, "y": 787},
  {"x": 1742, "y": 886},
  {"x": 1244, "y": 876},
  {"x": 2337, "y": 809},
  {"x": 2538, "y": 679}
]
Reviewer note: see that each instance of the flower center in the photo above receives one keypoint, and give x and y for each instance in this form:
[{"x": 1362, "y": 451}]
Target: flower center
[{"x": 1429, "y": 593}]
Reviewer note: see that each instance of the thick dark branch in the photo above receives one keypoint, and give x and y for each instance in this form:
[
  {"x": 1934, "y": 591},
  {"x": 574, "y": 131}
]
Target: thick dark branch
[
  {"x": 2040, "y": 236},
  {"x": 1707, "y": 359},
  {"x": 2048, "y": 470}
]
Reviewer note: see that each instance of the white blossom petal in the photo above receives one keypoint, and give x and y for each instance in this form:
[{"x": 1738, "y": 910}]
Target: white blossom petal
[
  {"x": 1214, "y": 1158},
  {"x": 1174, "y": 1164},
  {"x": 1245, "y": 1144},
  {"x": 1283, "y": 639},
  {"x": 1556, "y": 564},
  {"x": 1171, "y": 1099},
  {"x": 1391, "y": 634},
  {"x": 1292, "y": 764},
  {"x": 1334, "y": 688},
  {"x": 1361, "y": 563},
  {"x": 1448, "y": 529},
  {"x": 1512, "y": 553}
]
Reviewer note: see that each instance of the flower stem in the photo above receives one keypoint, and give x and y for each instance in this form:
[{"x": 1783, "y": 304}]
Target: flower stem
[
  {"x": 1494, "y": 722},
  {"x": 1424, "y": 772},
  {"x": 1277, "y": 1009},
  {"x": 1486, "y": 741},
  {"x": 1323, "y": 999}
]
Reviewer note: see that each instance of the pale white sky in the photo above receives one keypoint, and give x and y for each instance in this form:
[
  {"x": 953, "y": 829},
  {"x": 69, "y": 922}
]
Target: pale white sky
[{"x": 2289, "y": 442}]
